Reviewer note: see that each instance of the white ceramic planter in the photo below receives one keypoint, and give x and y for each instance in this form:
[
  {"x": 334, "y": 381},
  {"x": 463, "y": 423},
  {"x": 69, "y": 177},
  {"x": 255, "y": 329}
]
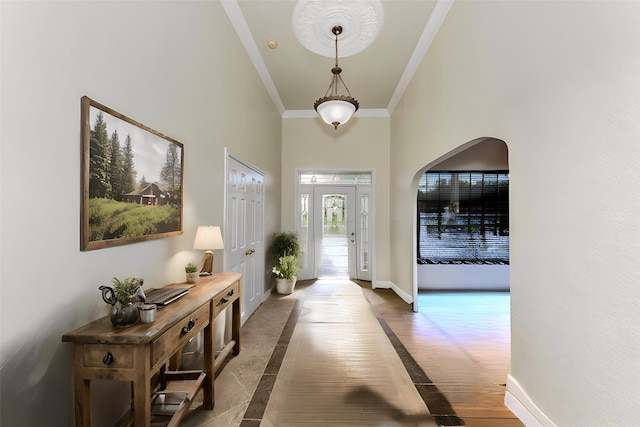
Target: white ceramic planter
[{"x": 285, "y": 286}]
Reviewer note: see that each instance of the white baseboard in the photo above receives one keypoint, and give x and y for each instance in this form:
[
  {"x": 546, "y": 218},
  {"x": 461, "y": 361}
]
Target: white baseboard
[
  {"x": 519, "y": 402},
  {"x": 379, "y": 284}
]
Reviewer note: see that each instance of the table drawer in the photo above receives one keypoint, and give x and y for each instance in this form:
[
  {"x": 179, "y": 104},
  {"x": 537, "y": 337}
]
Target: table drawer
[
  {"x": 177, "y": 336},
  {"x": 107, "y": 356},
  {"x": 225, "y": 298}
]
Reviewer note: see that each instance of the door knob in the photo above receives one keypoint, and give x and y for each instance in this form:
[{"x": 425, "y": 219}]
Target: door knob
[{"x": 250, "y": 251}]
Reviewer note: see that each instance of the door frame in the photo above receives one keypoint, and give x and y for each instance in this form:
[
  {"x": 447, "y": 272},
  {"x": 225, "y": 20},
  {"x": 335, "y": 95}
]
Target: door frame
[
  {"x": 361, "y": 189},
  {"x": 259, "y": 275}
]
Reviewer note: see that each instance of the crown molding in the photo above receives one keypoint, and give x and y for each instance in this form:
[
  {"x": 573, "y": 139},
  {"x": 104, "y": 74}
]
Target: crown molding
[
  {"x": 430, "y": 30},
  {"x": 232, "y": 8}
]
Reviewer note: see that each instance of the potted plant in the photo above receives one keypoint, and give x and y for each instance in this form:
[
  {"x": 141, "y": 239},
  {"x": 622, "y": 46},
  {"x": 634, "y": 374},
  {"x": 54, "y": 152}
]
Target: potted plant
[
  {"x": 284, "y": 243},
  {"x": 285, "y": 255},
  {"x": 192, "y": 272},
  {"x": 286, "y": 272},
  {"x": 123, "y": 296}
]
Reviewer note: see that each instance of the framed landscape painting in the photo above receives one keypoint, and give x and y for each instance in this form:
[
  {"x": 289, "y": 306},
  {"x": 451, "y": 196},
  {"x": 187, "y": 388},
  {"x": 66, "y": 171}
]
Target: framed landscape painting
[{"x": 131, "y": 180}]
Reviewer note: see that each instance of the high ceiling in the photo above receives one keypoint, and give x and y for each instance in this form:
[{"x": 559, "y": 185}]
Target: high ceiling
[{"x": 296, "y": 77}]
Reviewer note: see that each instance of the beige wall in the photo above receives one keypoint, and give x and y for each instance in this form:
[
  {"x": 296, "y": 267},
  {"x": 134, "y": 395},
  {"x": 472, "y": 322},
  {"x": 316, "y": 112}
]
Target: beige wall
[
  {"x": 486, "y": 155},
  {"x": 363, "y": 143},
  {"x": 558, "y": 82},
  {"x": 176, "y": 67}
]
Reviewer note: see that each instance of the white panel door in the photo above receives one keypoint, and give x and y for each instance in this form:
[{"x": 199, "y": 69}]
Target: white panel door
[
  {"x": 244, "y": 229},
  {"x": 334, "y": 213}
]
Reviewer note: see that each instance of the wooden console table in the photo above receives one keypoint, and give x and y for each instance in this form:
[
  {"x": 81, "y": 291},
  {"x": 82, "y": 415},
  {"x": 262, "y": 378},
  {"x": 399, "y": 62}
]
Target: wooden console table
[{"x": 139, "y": 352}]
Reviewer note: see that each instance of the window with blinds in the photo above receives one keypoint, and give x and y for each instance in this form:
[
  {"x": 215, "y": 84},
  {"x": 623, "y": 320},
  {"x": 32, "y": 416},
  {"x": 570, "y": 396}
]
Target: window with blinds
[{"x": 463, "y": 218}]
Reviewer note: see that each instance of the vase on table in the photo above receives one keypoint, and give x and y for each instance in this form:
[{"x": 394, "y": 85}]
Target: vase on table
[{"x": 121, "y": 317}]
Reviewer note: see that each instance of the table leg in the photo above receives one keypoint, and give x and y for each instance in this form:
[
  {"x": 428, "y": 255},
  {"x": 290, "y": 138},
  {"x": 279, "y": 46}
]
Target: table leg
[
  {"x": 81, "y": 390},
  {"x": 236, "y": 325},
  {"x": 209, "y": 365},
  {"x": 82, "y": 402},
  {"x": 141, "y": 388}
]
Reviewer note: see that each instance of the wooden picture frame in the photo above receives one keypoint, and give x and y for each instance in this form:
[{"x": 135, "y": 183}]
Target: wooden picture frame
[{"x": 132, "y": 179}]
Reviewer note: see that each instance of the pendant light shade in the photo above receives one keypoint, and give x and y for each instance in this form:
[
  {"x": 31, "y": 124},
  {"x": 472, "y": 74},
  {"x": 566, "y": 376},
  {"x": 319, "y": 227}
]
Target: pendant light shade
[
  {"x": 336, "y": 109},
  {"x": 336, "y": 112}
]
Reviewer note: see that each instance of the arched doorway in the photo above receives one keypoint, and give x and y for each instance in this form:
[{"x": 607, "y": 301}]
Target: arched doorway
[
  {"x": 469, "y": 329},
  {"x": 462, "y": 217}
]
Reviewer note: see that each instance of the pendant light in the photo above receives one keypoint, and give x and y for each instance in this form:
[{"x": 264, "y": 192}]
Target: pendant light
[{"x": 336, "y": 109}]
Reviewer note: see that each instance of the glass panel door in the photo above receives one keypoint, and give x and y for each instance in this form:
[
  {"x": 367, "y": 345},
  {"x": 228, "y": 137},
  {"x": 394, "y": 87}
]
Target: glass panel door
[{"x": 334, "y": 232}]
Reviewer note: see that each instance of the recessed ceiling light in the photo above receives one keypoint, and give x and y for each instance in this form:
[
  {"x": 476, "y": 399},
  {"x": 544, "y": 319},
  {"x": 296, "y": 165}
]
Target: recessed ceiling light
[{"x": 272, "y": 43}]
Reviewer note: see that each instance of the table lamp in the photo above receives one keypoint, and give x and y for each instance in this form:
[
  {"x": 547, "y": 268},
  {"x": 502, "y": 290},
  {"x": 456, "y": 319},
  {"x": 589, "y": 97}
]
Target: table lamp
[{"x": 208, "y": 239}]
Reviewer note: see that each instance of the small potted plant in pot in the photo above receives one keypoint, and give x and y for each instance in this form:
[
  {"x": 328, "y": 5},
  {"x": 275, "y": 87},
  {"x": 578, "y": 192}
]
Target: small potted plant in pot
[
  {"x": 285, "y": 255},
  {"x": 286, "y": 272},
  {"x": 192, "y": 273},
  {"x": 123, "y": 296}
]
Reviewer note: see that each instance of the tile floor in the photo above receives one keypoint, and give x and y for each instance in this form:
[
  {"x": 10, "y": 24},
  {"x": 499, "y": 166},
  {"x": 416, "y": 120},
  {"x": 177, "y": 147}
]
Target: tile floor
[{"x": 455, "y": 353}]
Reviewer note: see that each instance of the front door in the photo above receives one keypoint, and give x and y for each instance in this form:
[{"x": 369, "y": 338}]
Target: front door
[
  {"x": 334, "y": 214},
  {"x": 244, "y": 229},
  {"x": 334, "y": 232}
]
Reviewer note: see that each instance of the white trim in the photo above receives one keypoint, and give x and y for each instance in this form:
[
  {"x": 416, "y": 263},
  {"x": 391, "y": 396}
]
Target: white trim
[
  {"x": 240, "y": 24},
  {"x": 373, "y": 112},
  {"x": 384, "y": 284},
  {"x": 381, "y": 284},
  {"x": 369, "y": 190},
  {"x": 300, "y": 114},
  {"x": 310, "y": 188},
  {"x": 519, "y": 402},
  {"x": 228, "y": 154},
  {"x": 430, "y": 30},
  {"x": 232, "y": 8},
  {"x": 231, "y": 154}
]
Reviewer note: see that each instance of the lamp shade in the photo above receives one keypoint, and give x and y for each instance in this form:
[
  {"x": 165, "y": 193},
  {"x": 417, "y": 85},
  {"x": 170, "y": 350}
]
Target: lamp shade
[
  {"x": 336, "y": 112},
  {"x": 208, "y": 238}
]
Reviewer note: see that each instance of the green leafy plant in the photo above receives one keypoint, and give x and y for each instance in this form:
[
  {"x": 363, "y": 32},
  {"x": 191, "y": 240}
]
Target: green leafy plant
[
  {"x": 284, "y": 243},
  {"x": 285, "y": 251},
  {"x": 287, "y": 267},
  {"x": 191, "y": 268},
  {"x": 125, "y": 291}
]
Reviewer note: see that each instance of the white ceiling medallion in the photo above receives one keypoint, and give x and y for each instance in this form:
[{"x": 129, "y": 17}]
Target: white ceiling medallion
[{"x": 313, "y": 20}]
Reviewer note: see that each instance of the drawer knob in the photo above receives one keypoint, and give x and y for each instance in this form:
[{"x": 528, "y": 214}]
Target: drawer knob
[
  {"x": 230, "y": 293},
  {"x": 189, "y": 326},
  {"x": 108, "y": 358}
]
